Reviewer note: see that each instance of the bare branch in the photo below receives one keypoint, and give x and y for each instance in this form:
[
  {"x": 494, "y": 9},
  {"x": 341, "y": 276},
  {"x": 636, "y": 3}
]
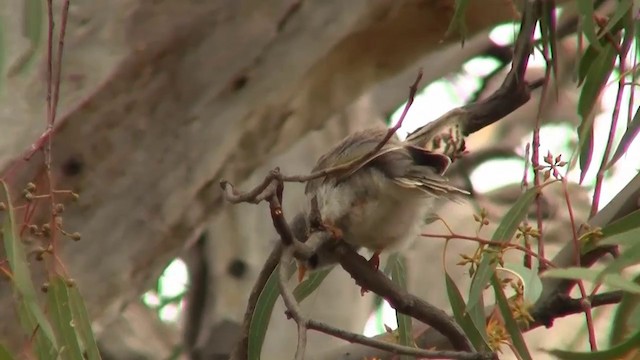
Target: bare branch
[
  {"x": 413, "y": 89},
  {"x": 562, "y": 305},
  {"x": 395, "y": 348}
]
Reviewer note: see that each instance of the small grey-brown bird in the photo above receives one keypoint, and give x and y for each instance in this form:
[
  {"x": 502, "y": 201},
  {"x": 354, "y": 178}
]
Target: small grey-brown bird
[{"x": 381, "y": 203}]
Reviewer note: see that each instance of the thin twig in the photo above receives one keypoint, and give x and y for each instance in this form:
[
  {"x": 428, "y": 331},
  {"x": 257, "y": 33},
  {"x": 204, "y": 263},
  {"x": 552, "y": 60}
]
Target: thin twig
[
  {"x": 395, "y": 348},
  {"x": 504, "y": 245},
  {"x": 413, "y": 89},
  {"x": 586, "y": 306},
  {"x": 562, "y": 305},
  {"x": 291, "y": 304},
  {"x": 369, "y": 278}
]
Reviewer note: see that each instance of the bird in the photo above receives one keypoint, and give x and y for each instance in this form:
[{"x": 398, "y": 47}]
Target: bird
[{"x": 379, "y": 204}]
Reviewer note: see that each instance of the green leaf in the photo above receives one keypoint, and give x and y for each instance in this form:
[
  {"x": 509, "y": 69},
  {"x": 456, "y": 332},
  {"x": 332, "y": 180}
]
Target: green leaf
[
  {"x": 627, "y": 238},
  {"x": 21, "y": 275},
  {"x": 267, "y": 300},
  {"x": 628, "y": 257},
  {"x": 614, "y": 281},
  {"x": 594, "y": 83},
  {"x": 633, "y": 128},
  {"x": 503, "y": 233},
  {"x": 476, "y": 332},
  {"x": 530, "y": 279},
  {"x": 548, "y": 32},
  {"x": 586, "y": 142},
  {"x": 616, "y": 352},
  {"x": 262, "y": 313},
  {"x": 405, "y": 329},
  {"x": 457, "y": 21},
  {"x": 620, "y": 326},
  {"x": 626, "y": 223},
  {"x": 310, "y": 285},
  {"x": 622, "y": 8},
  {"x": 83, "y": 323},
  {"x": 585, "y": 8},
  {"x": 62, "y": 318},
  {"x": 510, "y": 323},
  {"x": 586, "y": 61},
  {"x": 5, "y": 354},
  {"x": 43, "y": 346}
]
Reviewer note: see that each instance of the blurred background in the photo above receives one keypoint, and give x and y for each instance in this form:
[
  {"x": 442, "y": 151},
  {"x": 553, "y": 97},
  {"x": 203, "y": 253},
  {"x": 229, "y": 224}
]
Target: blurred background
[{"x": 162, "y": 99}]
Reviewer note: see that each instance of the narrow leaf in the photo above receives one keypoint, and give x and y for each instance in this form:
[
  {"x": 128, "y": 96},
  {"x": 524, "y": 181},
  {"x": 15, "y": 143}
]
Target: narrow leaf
[
  {"x": 624, "y": 224},
  {"x": 503, "y": 233},
  {"x": 614, "y": 281},
  {"x": 5, "y": 354},
  {"x": 624, "y": 313},
  {"x": 622, "y": 9},
  {"x": 616, "y": 352},
  {"x": 457, "y": 21},
  {"x": 585, "y": 8},
  {"x": 627, "y": 258},
  {"x": 405, "y": 329},
  {"x": 267, "y": 300},
  {"x": 21, "y": 275},
  {"x": 627, "y": 238},
  {"x": 510, "y": 323},
  {"x": 62, "y": 318},
  {"x": 43, "y": 346},
  {"x": 593, "y": 86},
  {"x": 310, "y": 285},
  {"x": 262, "y": 314},
  {"x": 627, "y": 138},
  {"x": 83, "y": 323},
  {"x": 476, "y": 332}
]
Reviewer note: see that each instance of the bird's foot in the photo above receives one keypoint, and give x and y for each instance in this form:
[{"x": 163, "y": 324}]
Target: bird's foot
[{"x": 336, "y": 232}]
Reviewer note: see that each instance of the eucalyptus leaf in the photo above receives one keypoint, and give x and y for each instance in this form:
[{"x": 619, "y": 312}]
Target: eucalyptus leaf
[{"x": 503, "y": 233}]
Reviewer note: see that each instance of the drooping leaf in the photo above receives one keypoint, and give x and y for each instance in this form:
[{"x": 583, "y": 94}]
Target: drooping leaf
[
  {"x": 62, "y": 319},
  {"x": 310, "y": 285},
  {"x": 626, "y": 223},
  {"x": 548, "y": 33},
  {"x": 5, "y": 354},
  {"x": 262, "y": 313},
  {"x": 399, "y": 277},
  {"x": 83, "y": 323},
  {"x": 585, "y": 8},
  {"x": 457, "y": 21},
  {"x": 267, "y": 300},
  {"x": 627, "y": 238},
  {"x": 594, "y": 83},
  {"x": 624, "y": 315},
  {"x": 633, "y": 128},
  {"x": 21, "y": 274},
  {"x": 623, "y": 8},
  {"x": 616, "y": 352},
  {"x": 503, "y": 233},
  {"x": 629, "y": 257},
  {"x": 477, "y": 333},
  {"x": 614, "y": 281},
  {"x": 509, "y": 322}
]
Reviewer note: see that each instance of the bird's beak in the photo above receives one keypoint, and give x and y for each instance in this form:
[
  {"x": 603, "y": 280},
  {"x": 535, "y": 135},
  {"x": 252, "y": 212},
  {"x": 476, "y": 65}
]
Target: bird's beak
[{"x": 302, "y": 270}]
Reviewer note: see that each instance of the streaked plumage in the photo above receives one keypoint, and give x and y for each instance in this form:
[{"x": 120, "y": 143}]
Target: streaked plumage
[{"x": 382, "y": 203}]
